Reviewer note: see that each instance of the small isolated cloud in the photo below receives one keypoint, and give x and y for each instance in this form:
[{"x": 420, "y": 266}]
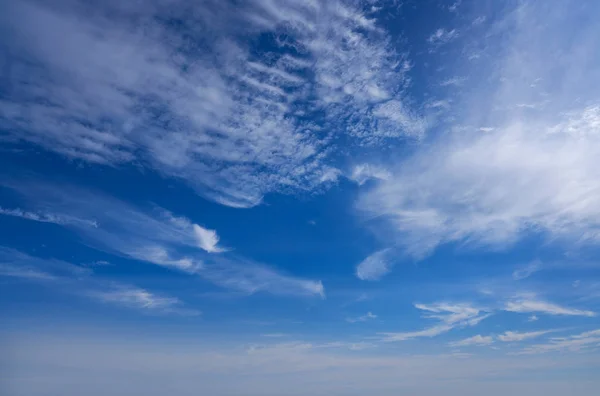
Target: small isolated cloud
[
  {"x": 514, "y": 336},
  {"x": 364, "y": 172},
  {"x": 362, "y": 318},
  {"x": 442, "y": 36},
  {"x": 448, "y": 316},
  {"x": 527, "y": 270},
  {"x": 532, "y": 318},
  {"x": 207, "y": 239},
  {"x": 375, "y": 266},
  {"x": 456, "y": 81},
  {"x": 479, "y": 20},
  {"x": 531, "y": 304},
  {"x": 478, "y": 340},
  {"x": 454, "y": 6}
]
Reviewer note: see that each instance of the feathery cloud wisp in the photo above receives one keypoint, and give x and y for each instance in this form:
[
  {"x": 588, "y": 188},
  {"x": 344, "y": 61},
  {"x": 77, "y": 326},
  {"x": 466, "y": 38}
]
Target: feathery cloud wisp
[
  {"x": 530, "y": 305},
  {"x": 161, "y": 238},
  {"x": 475, "y": 340},
  {"x": 230, "y": 121},
  {"x": 449, "y": 316},
  {"x": 207, "y": 239},
  {"x": 362, "y": 318},
  {"x": 515, "y": 336},
  {"x": 376, "y": 265}
]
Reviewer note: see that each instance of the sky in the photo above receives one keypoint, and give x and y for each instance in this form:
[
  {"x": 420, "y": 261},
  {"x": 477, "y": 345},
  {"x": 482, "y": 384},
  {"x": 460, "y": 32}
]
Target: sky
[{"x": 290, "y": 198}]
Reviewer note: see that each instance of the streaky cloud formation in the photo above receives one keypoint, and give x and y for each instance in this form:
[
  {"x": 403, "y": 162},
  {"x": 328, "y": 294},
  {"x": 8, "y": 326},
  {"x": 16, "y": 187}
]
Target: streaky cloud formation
[
  {"x": 81, "y": 282},
  {"x": 449, "y": 316},
  {"x": 161, "y": 238},
  {"x": 534, "y": 172},
  {"x": 574, "y": 343},
  {"x": 478, "y": 340},
  {"x": 45, "y": 217},
  {"x": 233, "y": 123},
  {"x": 515, "y": 336},
  {"x": 363, "y": 318},
  {"x": 299, "y": 197},
  {"x": 531, "y": 305}
]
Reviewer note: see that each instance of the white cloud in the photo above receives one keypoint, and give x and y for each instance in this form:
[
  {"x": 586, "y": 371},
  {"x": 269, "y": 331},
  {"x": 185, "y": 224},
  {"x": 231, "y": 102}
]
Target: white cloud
[
  {"x": 527, "y": 270},
  {"x": 514, "y": 336},
  {"x": 574, "y": 343},
  {"x": 79, "y": 281},
  {"x": 478, "y": 340},
  {"x": 207, "y": 239},
  {"x": 232, "y": 122},
  {"x": 453, "y": 81},
  {"x": 535, "y": 173},
  {"x": 362, "y": 318},
  {"x": 138, "y": 298},
  {"x": 376, "y": 265},
  {"x": 45, "y": 217},
  {"x": 442, "y": 36},
  {"x": 531, "y": 304},
  {"x": 161, "y": 238},
  {"x": 16, "y": 264},
  {"x": 364, "y": 172},
  {"x": 532, "y": 318},
  {"x": 449, "y": 316},
  {"x": 454, "y": 7}
]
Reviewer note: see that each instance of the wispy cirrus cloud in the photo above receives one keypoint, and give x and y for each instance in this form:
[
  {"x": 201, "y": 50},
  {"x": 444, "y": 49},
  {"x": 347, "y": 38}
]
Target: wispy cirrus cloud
[
  {"x": 159, "y": 237},
  {"x": 141, "y": 299},
  {"x": 515, "y": 336},
  {"x": 527, "y": 270},
  {"x": 530, "y": 304},
  {"x": 375, "y": 265},
  {"x": 449, "y": 316},
  {"x": 363, "y": 318},
  {"x": 45, "y": 217},
  {"x": 200, "y": 103},
  {"x": 79, "y": 281},
  {"x": 534, "y": 172},
  {"x": 442, "y": 36},
  {"x": 364, "y": 172},
  {"x": 573, "y": 343},
  {"x": 477, "y": 340}
]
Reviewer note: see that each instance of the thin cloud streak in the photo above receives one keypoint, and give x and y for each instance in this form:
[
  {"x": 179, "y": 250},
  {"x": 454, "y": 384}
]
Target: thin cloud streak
[{"x": 162, "y": 238}]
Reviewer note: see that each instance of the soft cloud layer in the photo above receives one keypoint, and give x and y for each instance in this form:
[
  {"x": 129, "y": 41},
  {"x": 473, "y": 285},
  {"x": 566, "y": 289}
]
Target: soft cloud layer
[
  {"x": 199, "y": 102},
  {"x": 534, "y": 169},
  {"x": 140, "y": 365}
]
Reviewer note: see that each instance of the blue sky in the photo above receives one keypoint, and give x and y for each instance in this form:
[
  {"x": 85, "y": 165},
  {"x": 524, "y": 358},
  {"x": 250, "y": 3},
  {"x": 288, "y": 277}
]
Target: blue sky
[{"x": 277, "y": 197}]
